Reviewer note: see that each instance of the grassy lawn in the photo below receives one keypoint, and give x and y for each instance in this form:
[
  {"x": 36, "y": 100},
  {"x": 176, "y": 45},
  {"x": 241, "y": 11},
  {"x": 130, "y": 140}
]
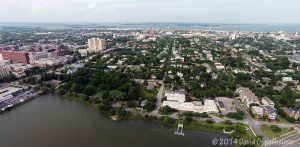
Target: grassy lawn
[
  {"x": 271, "y": 134},
  {"x": 282, "y": 120},
  {"x": 167, "y": 87}
]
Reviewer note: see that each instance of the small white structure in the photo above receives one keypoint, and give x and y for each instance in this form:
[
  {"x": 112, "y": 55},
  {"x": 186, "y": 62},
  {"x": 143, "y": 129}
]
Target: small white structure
[
  {"x": 179, "y": 130},
  {"x": 219, "y": 66},
  {"x": 287, "y": 79}
]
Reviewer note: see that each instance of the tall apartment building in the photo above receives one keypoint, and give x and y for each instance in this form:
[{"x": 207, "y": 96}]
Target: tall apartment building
[
  {"x": 96, "y": 45},
  {"x": 16, "y": 56}
]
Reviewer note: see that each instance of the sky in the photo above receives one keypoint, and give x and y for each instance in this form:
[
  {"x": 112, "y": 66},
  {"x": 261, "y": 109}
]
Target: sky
[{"x": 197, "y": 11}]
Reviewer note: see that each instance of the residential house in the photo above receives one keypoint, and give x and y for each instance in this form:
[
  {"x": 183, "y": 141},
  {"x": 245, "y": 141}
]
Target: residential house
[
  {"x": 270, "y": 112},
  {"x": 291, "y": 112}
]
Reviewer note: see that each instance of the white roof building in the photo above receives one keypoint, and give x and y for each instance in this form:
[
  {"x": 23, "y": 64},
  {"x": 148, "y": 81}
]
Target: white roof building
[
  {"x": 210, "y": 106},
  {"x": 195, "y": 106},
  {"x": 258, "y": 111},
  {"x": 172, "y": 104},
  {"x": 175, "y": 96},
  {"x": 287, "y": 79}
]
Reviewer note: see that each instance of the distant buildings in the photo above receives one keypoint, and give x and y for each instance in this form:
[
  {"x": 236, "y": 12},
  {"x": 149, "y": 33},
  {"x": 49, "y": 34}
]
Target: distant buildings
[
  {"x": 95, "y": 45},
  {"x": 34, "y": 56},
  {"x": 16, "y": 56},
  {"x": 47, "y": 62}
]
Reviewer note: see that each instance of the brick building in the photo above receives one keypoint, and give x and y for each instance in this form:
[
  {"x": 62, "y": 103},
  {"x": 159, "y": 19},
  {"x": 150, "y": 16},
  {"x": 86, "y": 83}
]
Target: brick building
[{"x": 16, "y": 56}]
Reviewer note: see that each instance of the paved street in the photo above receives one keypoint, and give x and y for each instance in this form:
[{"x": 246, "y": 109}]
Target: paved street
[
  {"x": 159, "y": 96},
  {"x": 290, "y": 141},
  {"x": 248, "y": 119}
]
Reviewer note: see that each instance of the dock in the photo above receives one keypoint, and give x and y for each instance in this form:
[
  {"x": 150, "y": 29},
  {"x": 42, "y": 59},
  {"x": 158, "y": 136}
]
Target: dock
[
  {"x": 179, "y": 130},
  {"x": 17, "y": 100}
]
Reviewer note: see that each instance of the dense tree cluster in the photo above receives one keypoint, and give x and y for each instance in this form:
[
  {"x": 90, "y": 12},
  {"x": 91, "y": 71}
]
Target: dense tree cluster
[{"x": 98, "y": 85}]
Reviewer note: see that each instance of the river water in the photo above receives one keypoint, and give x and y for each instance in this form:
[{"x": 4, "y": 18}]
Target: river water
[{"x": 50, "y": 121}]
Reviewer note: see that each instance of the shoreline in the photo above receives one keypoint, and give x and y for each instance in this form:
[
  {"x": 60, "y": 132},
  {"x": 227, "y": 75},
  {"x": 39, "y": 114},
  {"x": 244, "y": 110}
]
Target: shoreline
[{"x": 192, "y": 126}]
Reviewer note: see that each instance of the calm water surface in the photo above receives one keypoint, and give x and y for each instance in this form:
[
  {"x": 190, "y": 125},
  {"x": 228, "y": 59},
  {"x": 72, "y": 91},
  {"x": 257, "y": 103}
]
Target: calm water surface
[{"x": 50, "y": 121}]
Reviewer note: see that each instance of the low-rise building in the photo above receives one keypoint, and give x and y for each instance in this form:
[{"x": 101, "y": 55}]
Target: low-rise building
[
  {"x": 175, "y": 96},
  {"x": 258, "y": 111},
  {"x": 247, "y": 96},
  {"x": 195, "y": 106},
  {"x": 210, "y": 106}
]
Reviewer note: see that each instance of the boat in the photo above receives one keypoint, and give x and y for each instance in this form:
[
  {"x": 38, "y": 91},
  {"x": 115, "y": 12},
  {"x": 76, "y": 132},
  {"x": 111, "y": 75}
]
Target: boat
[{"x": 179, "y": 130}]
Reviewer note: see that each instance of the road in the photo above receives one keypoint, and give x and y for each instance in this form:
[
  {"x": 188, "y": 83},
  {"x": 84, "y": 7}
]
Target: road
[
  {"x": 159, "y": 96},
  {"x": 248, "y": 119},
  {"x": 290, "y": 141}
]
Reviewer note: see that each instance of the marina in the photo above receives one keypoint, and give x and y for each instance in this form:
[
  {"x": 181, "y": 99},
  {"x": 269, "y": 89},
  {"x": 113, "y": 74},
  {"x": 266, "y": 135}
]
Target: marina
[{"x": 11, "y": 96}]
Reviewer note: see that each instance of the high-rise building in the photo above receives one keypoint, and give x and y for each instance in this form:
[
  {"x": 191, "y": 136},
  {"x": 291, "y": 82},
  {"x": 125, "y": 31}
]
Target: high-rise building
[
  {"x": 96, "y": 45},
  {"x": 16, "y": 56}
]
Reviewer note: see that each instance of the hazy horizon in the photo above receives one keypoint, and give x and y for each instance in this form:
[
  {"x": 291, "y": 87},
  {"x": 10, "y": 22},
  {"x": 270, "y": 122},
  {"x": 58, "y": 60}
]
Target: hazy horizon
[{"x": 154, "y": 11}]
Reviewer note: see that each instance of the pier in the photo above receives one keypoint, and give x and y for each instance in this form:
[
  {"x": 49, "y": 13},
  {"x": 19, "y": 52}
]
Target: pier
[{"x": 179, "y": 130}]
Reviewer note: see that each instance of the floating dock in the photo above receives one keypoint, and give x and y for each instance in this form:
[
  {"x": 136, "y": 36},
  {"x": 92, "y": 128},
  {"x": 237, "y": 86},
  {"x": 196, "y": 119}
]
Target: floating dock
[{"x": 179, "y": 130}]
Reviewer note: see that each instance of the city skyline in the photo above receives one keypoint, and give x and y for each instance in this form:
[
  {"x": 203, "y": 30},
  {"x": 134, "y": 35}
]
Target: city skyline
[{"x": 101, "y": 11}]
